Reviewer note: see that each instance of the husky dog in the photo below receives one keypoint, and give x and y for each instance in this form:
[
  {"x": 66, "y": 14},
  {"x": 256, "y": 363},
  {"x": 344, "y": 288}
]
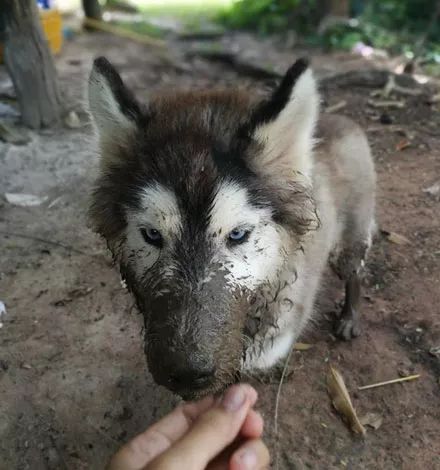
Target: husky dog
[{"x": 222, "y": 211}]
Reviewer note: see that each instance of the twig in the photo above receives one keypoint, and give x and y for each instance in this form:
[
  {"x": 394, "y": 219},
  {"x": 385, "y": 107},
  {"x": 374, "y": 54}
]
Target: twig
[
  {"x": 43, "y": 240},
  {"x": 386, "y": 104},
  {"x": 336, "y": 107},
  {"x": 391, "y": 86},
  {"x": 162, "y": 52},
  {"x": 388, "y": 382},
  {"x": 277, "y": 403}
]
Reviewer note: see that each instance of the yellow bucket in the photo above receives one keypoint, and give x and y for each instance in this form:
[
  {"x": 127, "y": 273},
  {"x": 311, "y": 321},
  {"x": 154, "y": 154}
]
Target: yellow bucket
[{"x": 52, "y": 27}]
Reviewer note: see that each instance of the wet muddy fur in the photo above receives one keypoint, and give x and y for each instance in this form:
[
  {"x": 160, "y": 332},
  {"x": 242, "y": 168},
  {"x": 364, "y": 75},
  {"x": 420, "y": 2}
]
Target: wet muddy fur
[{"x": 222, "y": 212}]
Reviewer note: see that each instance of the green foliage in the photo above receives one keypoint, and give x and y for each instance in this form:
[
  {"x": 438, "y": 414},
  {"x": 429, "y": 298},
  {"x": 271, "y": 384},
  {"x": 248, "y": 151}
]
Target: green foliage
[
  {"x": 394, "y": 25},
  {"x": 269, "y": 16},
  {"x": 412, "y": 16}
]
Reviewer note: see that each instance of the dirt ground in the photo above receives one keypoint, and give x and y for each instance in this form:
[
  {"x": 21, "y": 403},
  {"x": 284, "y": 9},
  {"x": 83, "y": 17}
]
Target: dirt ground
[{"x": 73, "y": 379}]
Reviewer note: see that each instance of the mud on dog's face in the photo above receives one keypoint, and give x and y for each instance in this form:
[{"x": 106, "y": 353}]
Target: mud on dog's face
[{"x": 199, "y": 212}]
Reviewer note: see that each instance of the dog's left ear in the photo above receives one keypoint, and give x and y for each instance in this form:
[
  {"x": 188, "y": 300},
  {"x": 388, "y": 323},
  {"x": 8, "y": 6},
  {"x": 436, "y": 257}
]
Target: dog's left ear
[
  {"x": 285, "y": 123},
  {"x": 115, "y": 111}
]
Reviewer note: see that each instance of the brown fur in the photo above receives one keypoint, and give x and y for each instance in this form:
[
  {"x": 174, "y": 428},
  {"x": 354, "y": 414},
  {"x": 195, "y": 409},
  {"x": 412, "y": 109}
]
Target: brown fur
[{"x": 320, "y": 206}]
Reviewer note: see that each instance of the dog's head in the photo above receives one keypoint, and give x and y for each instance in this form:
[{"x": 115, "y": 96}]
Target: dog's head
[{"x": 202, "y": 197}]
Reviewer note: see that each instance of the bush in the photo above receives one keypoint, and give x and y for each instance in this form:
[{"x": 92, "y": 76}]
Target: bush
[
  {"x": 271, "y": 16},
  {"x": 396, "y": 25}
]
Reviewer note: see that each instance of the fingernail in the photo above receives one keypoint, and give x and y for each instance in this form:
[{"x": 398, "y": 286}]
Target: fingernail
[
  {"x": 234, "y": 399},
  {"x": 247, "y": 459}
]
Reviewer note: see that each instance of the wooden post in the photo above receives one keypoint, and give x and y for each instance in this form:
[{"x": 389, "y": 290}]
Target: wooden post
[
  {"x": 92, "y": 9},
  {"x": 30, "y": 64},
  {"x": 340, "y": 8}
]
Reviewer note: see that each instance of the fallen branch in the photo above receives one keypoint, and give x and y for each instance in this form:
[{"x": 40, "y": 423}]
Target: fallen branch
[
  {"x": 391, "y": 87},
  {"x": 124, "y": 33},
  {"x": 386, "y": 104},
  {"x": 162, "y": 53},
  {"x": 371, "y": 78},
  {"x": 237, "y": 64},
  {"x": 336, "y": 107},
  {"x": 43, "y": 240},
  {"x": 389, "y": 382},
  {"x": 200, "y": 35}
]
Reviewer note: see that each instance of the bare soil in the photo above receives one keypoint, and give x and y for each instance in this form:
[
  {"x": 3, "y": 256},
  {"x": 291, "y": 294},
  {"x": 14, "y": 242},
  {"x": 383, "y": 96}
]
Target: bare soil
[{"x": 73, "y": 378}]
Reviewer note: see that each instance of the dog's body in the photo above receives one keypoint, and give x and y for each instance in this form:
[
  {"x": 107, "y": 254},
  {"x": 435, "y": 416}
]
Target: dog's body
[
  {"x": 223, "y": 212},
  {"x": 343, "y": 189}
]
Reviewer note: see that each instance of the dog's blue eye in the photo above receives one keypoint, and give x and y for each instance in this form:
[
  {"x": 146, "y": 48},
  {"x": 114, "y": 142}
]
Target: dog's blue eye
[
  {"x": 238, "y": 235},
  {"x": 152, "y": 236}
]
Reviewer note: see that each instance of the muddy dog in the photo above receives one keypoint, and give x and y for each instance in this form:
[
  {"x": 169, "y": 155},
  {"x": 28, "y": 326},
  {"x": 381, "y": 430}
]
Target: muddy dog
[{"x": 222, "y": 211}]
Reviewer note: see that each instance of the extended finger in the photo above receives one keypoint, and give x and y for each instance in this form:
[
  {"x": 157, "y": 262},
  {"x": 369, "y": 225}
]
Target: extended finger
[
  {"x": 252, "y": 455},
  {"x": 212, "y": 432},
  {"x": 253, "y": 425},
  {"x": 159, "y": 437}
]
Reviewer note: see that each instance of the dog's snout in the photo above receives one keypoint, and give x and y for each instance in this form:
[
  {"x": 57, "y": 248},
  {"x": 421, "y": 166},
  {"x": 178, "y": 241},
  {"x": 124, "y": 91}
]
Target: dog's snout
[
  {"x": 184, "y": 371},
  {"x": 191, "y": 378}
]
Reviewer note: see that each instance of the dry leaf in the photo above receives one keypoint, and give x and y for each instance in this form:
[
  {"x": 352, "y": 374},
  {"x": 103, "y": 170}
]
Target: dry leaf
[
  {"x": 394, "y": 237},
  {"x": 24, "y": 200},
  {"x": 302, "y": 346},
  {"x": 402, "y": 144},
  {"x": 341, "y": 400},
  {"x": 373, "y": 420}
]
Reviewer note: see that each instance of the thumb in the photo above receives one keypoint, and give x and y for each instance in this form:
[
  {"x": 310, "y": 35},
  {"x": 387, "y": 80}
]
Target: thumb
[{"x": 211, "y": 433}]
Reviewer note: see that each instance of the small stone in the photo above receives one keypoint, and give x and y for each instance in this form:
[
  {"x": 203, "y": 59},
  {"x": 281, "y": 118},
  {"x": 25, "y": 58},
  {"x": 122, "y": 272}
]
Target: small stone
[
  {"x": 373, "y": 420},
  {"x": 72, "y": 120},
  {"x": 385, "y": 118},
  {"x": 433, "y": 190},
  {"x": 126, "y": 414},
  {"x": 13, "y": 135}
]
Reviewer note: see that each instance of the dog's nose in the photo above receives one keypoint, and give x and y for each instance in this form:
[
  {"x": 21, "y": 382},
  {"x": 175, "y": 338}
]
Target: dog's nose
[
  {"x": 190, "y": 374},
  {"x": 191, "y": 378}
]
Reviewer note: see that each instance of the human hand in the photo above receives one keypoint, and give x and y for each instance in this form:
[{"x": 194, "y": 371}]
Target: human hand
[{"x": 208, "y": 434}]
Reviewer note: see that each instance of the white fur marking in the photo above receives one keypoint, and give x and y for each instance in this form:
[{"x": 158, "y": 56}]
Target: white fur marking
[
  {"x": 289, "y": 138},
  {"x": 111, "y": 122},
  {"x": 258, "y": 259},
  {"x": 159, "y": 210}
]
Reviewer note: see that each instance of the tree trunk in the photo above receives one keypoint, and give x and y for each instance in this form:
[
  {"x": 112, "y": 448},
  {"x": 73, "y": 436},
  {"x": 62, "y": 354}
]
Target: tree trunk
[
  {"x": 340, "y": 8},
  {"x": 92, "y": 9},
  {"x": 30, "y": 63}
]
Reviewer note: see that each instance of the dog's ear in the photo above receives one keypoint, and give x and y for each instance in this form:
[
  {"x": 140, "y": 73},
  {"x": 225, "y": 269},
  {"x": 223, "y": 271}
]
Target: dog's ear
[
  {"x": 284, "y": 124},
  {"x": 114, "y": 109}
]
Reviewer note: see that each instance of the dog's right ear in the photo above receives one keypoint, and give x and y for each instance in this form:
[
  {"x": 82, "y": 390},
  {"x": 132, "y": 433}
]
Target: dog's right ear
[{"x": 114, "y": 109}]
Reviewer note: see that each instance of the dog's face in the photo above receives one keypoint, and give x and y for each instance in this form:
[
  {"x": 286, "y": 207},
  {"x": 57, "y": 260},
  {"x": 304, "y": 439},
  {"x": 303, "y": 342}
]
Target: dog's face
[{"x": 202, "y": 197}]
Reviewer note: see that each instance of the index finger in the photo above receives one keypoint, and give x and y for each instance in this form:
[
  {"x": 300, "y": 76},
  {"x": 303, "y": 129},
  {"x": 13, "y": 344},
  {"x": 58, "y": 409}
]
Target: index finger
[
  {"x": 212, "y": 432},
  {"x": 159, "y": 437}
]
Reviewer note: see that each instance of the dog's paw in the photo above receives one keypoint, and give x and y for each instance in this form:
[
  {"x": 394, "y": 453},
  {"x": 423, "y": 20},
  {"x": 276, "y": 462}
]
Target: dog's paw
[{"x": 347, "y": 328}]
